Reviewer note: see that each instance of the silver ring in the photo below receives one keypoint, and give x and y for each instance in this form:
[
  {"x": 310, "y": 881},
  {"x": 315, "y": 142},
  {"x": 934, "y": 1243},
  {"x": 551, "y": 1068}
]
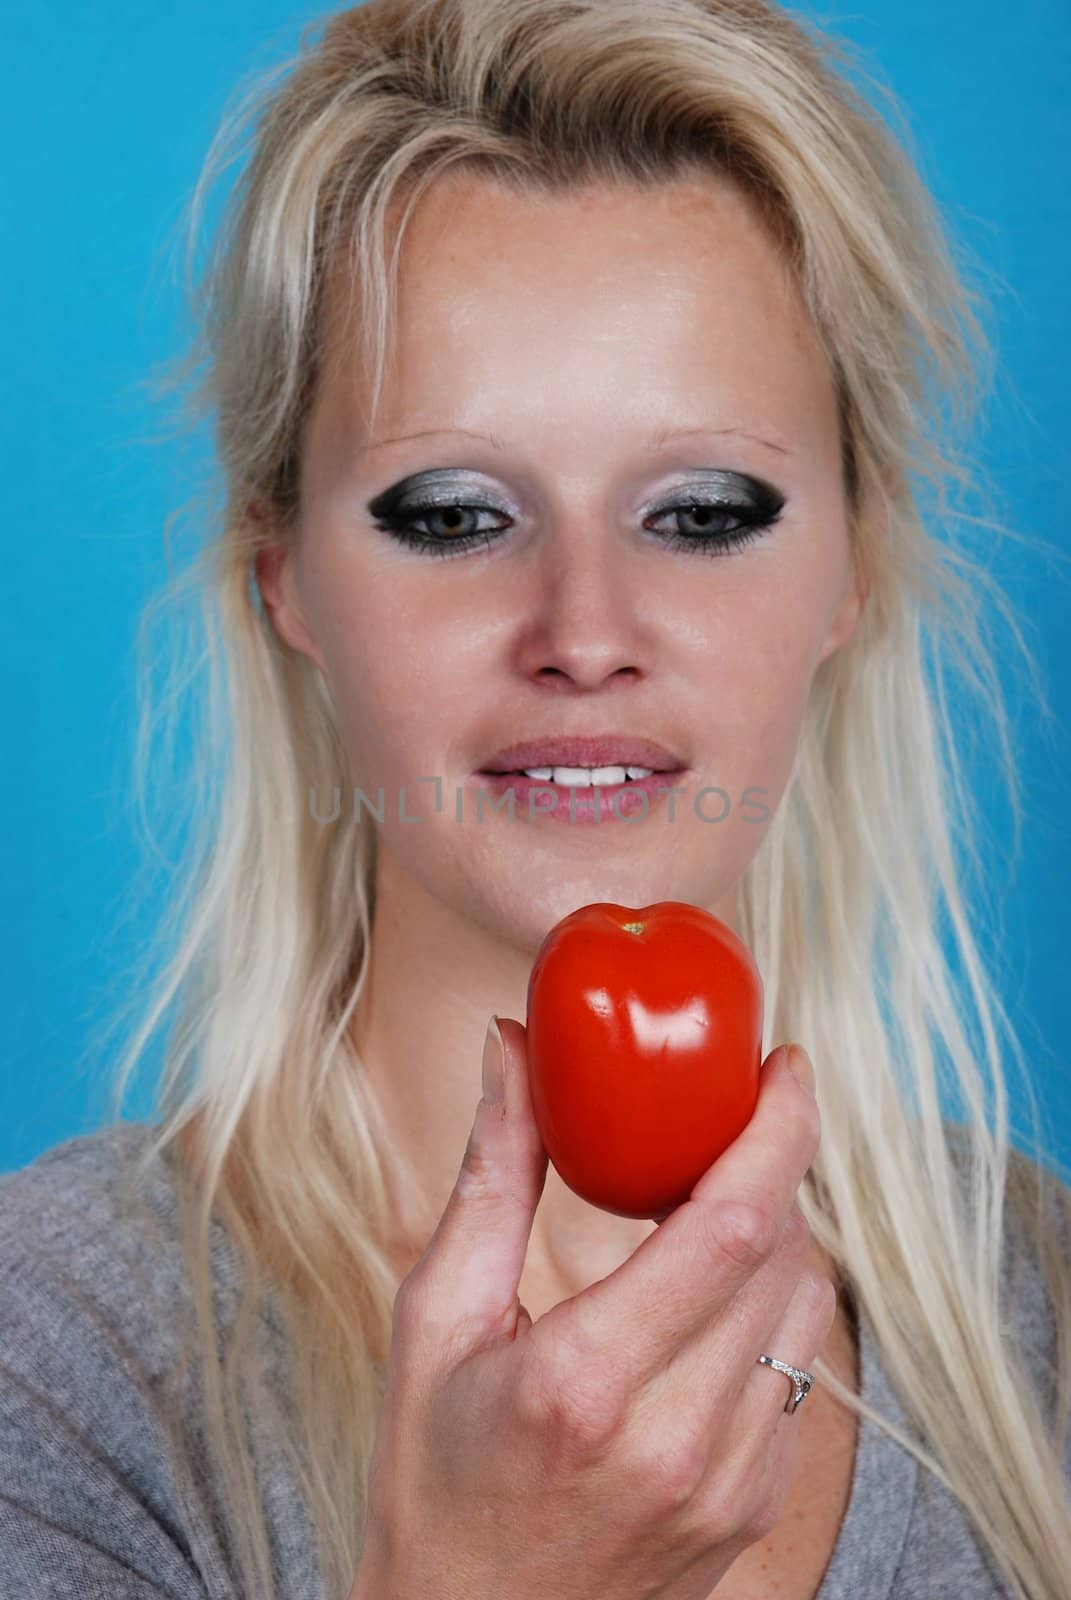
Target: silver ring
[{"x": 802, "y": 1382}]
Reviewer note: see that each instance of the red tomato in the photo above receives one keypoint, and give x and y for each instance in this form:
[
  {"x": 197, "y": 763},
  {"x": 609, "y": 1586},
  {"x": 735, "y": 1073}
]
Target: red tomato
[{"x": 644, "y": 1048}]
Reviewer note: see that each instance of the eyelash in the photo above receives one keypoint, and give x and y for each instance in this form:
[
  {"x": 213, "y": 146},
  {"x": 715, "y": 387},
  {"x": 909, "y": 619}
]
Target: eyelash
[{"x": 752, "y": 525}]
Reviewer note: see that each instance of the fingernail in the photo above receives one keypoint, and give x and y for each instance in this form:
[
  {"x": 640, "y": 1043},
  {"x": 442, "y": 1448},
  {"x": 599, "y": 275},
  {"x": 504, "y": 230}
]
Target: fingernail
[
  {"x": 494, "y": 1082},
  {"x": 799, "y": 1064}
]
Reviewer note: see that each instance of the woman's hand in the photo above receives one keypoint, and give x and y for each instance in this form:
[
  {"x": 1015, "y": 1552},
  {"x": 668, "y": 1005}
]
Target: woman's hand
[{"x": 628, "y": 1443}]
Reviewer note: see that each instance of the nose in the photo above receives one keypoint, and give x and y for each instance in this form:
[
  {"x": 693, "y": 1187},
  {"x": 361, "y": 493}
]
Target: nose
[{"x": 583, "y": 613}]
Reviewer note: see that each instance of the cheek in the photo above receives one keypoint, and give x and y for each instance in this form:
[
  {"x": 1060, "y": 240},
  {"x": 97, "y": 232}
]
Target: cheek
[
  {"x": 400, "y": 669},
  {"x": 758, "y": 724},
  {"x": 752, "y": 677}
]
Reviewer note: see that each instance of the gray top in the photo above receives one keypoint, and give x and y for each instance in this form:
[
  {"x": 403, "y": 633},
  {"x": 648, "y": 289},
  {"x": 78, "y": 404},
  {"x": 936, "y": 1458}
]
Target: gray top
[{"x": 88, "y": 1331}]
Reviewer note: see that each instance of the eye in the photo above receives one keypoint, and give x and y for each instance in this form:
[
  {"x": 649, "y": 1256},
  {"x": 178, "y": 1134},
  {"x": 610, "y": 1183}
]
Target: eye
[
  {"x": 714, "y": 527},
  {"x": 718, "y": 512},
  {"x": 451, "y": 525},
  {"x": 443, "y": 513}
]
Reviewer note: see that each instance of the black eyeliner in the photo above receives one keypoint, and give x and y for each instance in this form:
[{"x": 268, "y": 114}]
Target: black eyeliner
[
  {"x": 733, "y": 489},
  {"x": 753, "y": 503}
]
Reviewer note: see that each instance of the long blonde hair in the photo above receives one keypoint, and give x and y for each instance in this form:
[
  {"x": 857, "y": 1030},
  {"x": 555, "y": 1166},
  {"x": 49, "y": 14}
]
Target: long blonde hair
[{"x": 865, "y": 918}]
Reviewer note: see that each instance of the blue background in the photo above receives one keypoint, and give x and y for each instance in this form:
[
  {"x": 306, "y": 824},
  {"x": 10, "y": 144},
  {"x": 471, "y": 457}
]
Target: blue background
[{"x": 109, "y": 115}]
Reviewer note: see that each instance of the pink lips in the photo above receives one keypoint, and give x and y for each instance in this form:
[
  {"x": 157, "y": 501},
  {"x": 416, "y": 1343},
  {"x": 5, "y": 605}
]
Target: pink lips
[{"x": 597, "y": 750}]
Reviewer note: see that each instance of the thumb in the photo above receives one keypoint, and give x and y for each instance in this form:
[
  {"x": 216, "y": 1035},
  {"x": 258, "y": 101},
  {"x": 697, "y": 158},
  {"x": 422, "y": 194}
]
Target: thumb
[{"x": 476, "y": 1255}]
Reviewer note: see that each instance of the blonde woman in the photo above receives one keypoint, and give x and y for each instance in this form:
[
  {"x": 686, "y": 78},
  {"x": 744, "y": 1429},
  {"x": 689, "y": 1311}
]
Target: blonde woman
[{"x": 577, "y": 366}]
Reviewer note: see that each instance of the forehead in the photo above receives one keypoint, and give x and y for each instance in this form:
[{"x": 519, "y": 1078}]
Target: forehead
[{"x": 619, "y": 299}]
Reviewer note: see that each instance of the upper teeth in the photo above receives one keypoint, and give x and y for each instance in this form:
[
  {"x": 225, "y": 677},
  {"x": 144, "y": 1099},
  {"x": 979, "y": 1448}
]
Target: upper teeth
[{"x": 582, "y": 777}]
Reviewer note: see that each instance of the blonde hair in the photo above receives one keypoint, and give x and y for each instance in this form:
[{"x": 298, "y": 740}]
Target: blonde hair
[{"x": 864, "y": 921}]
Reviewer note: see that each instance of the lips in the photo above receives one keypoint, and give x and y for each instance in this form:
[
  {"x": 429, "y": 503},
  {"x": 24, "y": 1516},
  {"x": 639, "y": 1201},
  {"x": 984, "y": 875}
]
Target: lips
[{"x": 589, "y": 751}]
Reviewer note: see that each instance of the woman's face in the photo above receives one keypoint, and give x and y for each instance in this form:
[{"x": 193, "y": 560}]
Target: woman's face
[{"x": 602, "y": 387}]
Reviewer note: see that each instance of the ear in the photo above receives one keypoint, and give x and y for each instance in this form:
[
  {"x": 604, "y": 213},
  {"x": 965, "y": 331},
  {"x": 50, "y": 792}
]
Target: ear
[
  {"x": 274, "y": 568},
  {"x": 857, "y": 592},
  {"x": 847, "y": 617}
]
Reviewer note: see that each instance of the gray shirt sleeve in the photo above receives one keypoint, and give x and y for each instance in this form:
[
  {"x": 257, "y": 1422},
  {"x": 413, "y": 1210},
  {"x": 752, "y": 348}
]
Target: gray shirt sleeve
[
  {"x": 93, "y": 1306},
  {"x": 85, "y": 1505}
]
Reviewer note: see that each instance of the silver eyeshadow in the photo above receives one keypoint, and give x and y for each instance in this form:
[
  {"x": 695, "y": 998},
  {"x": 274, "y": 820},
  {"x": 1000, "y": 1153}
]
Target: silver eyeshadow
[{"x": 446, "y": 486}]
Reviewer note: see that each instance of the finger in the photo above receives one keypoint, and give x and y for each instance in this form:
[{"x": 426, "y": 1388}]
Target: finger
[
  {"x": 801, "y": 1064},
  {"x": 703, "y": 1380},
  {"x": 689, "y": 1270},
  {"x": 796, "y": 1340},
  {"x": 764, "y": 1434},
  {"x": 469, "y": 1275},
  {"x": 808, "y": 1336}
]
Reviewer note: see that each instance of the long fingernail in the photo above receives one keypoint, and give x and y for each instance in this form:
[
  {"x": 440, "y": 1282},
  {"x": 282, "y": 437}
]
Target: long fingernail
[{"x": 494, "y": 1077}]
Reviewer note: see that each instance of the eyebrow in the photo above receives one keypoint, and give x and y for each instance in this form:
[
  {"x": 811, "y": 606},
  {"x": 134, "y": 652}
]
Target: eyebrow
[
  {"x": 658, "y": 440},
  {"x": 430, "y": 433},
  {"x": 741, "y": 433}
]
